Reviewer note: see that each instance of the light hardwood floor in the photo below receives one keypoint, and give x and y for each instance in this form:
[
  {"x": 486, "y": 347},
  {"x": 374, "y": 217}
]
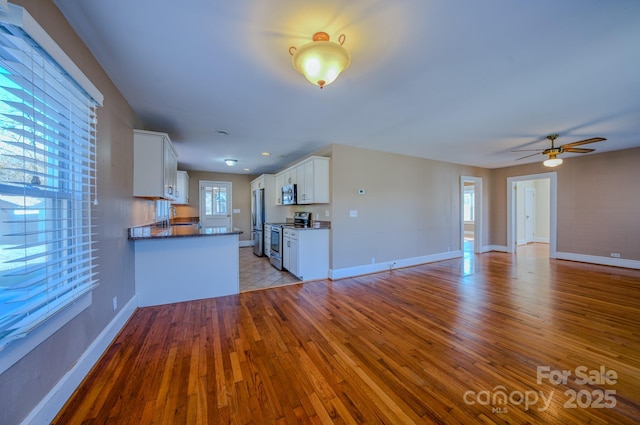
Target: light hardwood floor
[{"x": 437, "y": 343}]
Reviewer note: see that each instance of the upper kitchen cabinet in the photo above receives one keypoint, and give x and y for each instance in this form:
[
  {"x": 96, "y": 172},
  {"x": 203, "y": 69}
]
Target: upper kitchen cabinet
[
  {"x": 311, "y": 177},
  {"x": 155, "y": 165},
  {"x": 313, "y": 180},
  {"x": 182, "y": 189},
  {"x": 258, "y": 183},
  {"x": 280, "y": 181}
]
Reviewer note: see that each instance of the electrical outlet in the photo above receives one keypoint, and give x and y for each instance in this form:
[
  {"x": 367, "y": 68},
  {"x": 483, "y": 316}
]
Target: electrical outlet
[
  {"x": 615, "y": 255},
  {"x": 373, "y": 260},
  {"x": 115, "y": 303}
]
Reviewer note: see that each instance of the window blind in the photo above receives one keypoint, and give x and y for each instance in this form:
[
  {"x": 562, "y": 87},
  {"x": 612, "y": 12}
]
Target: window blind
[{"x": 47, "y": 184}]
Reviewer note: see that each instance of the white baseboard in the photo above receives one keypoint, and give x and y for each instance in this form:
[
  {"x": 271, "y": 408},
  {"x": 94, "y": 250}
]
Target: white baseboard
[
  {"x": 391, "y": 264},
  {"x": 541, "y": 240},
  {"x": 595, "y": 259},
  {"x": 244, "y": 244},
  {"x": 499, "y": 248},
  {"x": 51, "y": 404}
]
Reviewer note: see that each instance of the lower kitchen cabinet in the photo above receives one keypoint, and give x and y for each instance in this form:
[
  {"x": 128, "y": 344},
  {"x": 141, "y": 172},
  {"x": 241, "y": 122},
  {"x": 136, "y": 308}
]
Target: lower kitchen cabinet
[{"x": 306, "y": 253}]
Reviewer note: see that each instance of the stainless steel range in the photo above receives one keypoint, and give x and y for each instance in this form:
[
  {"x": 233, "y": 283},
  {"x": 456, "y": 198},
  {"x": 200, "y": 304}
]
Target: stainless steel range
[
  {"x": 300, "y": 219},
  {"x": 275, "y": 257}
]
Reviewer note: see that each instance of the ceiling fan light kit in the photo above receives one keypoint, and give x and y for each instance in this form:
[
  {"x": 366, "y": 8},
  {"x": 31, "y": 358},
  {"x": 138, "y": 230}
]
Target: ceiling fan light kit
[
  {"x": 322, "y": 60},
  {"x": 554, "y": 151},
  {"x": 552, "y": 161}
]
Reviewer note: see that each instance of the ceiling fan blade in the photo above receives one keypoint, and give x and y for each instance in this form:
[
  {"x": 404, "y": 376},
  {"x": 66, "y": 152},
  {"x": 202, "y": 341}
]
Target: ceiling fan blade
[
  {"x": 527, "y": 156},
  {"x": 577, "y": 150},
  {"x": 583, "y": 142},
  {"x": 527, "y": 150}
]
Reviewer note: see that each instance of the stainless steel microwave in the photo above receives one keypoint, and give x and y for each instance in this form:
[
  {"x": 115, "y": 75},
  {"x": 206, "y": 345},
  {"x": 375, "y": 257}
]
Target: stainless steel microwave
[{"x": 289, "y": 195}]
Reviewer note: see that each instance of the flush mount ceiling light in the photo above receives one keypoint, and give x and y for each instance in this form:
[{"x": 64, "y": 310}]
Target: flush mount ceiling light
[
  {"x": 321, "y": 61},
  {"x": 231, "y": 162}
]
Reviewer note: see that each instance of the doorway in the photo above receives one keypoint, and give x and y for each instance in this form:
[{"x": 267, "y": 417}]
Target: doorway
[
  {"x": 471, "y": 214},
  {"x": 530, "y": 230},
  {"x": 216, "y": 204},
  {"x": 532, "y": 211}
]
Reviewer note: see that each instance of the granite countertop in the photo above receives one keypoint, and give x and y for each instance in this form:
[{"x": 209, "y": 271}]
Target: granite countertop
[{"x": 182, "y": 230}]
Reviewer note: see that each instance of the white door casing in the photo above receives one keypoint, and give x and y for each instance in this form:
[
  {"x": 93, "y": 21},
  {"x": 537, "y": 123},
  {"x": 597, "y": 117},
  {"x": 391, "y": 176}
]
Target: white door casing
[{"x": 553, "y": 213}]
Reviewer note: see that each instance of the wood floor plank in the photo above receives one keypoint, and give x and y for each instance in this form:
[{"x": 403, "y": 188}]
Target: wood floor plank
[{"x": 418, "y": 345}]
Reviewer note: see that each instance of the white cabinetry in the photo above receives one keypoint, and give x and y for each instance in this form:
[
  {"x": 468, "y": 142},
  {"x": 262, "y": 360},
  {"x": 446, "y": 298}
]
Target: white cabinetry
[
  {"x": 182, "y": 189},
  {"x": 290, "y": 250},
  {"x": 279, "y": 184},
  {"x": 258, "y": 183},
  {"x": 311, "y": 178},
  {"x": 306, "y": 253},
  {"x": 155, "y": 165},
  {"x": 313, "y": 181}
]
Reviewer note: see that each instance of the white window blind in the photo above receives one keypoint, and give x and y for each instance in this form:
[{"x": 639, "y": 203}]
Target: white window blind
[{"x": 47, "y": 186}]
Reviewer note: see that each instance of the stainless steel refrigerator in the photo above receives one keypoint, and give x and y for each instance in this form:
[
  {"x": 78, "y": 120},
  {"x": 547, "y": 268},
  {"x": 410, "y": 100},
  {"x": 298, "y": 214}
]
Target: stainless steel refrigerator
[{"x": 257, "y": 221}]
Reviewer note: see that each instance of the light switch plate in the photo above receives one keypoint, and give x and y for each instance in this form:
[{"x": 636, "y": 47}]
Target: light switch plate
[{"x": 353, "y": 213}]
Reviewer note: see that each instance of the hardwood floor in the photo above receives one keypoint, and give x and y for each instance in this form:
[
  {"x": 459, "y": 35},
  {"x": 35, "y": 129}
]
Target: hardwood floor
[{"x": 439, "y": 343}]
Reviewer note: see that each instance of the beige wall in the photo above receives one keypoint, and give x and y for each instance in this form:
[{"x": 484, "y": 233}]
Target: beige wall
[
  {"x": 598, "y": 203},
  {"x": 411, "y": 207},
  {"x": 25, "y": 384},
  {"x": 241, "y": 198}
]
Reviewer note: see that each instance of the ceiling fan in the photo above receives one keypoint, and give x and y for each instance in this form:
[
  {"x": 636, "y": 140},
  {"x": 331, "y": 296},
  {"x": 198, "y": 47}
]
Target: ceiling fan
[{"x": 554, "y": 150}]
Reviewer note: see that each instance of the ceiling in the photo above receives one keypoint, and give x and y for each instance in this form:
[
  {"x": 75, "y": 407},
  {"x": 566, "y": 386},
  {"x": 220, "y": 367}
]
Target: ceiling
[{"x": 462, "y": 81}]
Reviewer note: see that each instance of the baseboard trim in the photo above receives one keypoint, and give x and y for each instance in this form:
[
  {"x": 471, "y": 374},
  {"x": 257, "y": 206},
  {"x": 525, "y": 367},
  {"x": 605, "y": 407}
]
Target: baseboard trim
[
  {"x": 244, "y": 244},
  {"x": 390, "y": 265},
  {"x": 499, "y": 248},
  {"x": 51, "y": 404},
  {"x": 595, "y": 259}
]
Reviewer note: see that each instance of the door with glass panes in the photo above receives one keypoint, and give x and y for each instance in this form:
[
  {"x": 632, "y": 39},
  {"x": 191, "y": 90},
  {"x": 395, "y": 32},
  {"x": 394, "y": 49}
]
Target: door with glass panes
[{"x": 215, "y": 204}]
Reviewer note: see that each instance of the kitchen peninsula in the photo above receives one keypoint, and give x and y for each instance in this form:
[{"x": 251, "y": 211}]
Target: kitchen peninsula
[{"x": 184, "y": 262}]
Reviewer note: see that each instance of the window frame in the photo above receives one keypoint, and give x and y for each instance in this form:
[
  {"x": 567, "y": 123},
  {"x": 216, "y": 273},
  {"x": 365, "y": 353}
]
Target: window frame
[{"x": 18, "y": 20}]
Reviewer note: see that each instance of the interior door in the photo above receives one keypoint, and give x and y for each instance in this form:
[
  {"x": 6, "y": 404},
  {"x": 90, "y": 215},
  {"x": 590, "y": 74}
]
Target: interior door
[
  {"x": 529, "y": 214},
  {"x": 215, "y": 204}
]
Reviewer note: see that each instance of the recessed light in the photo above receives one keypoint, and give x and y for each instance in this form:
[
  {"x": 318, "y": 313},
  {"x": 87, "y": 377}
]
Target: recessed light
[
  {"x": 231, "y": 162},
  {"x": 266, "y": 153},
  {"x": 247, "y": 169}
]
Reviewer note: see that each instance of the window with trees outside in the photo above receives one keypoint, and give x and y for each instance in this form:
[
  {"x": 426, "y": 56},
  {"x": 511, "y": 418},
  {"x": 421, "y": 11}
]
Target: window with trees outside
[{"x": 47, "y": 182}]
